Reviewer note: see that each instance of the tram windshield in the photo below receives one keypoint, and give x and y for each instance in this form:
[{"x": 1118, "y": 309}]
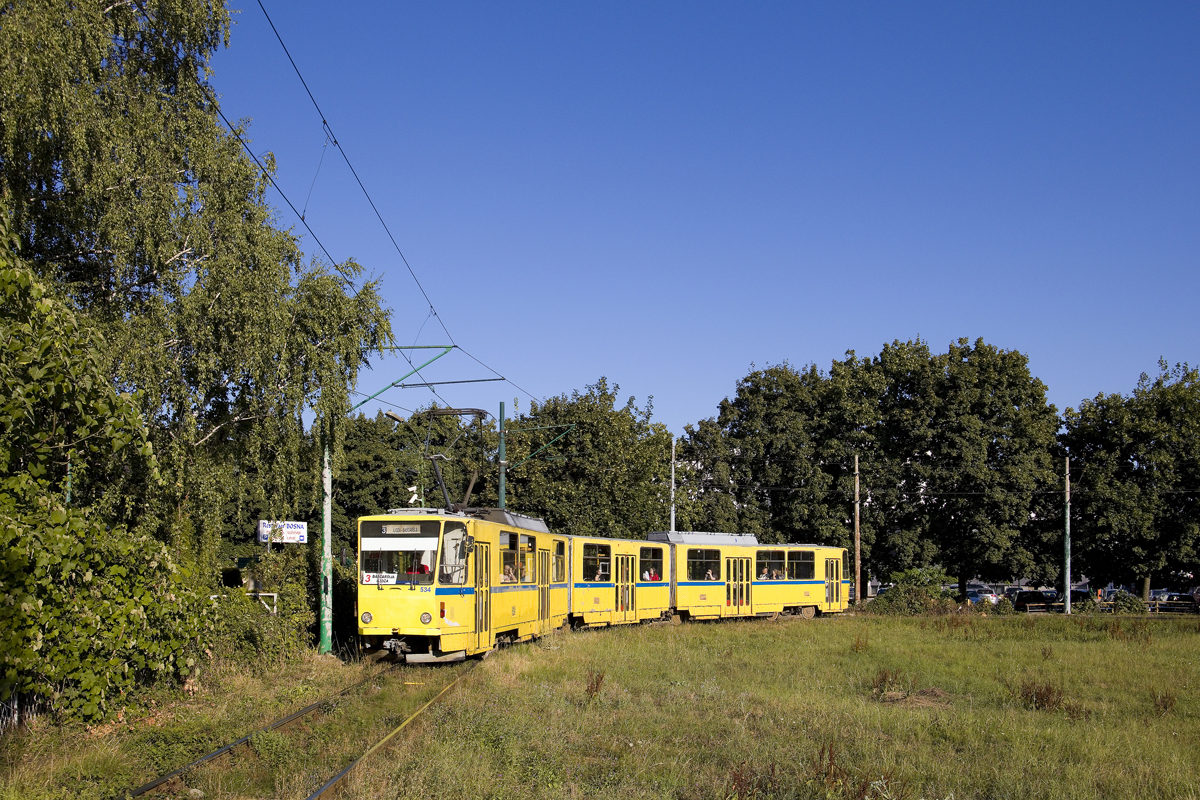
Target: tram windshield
[{"x": 398, "y": 552}]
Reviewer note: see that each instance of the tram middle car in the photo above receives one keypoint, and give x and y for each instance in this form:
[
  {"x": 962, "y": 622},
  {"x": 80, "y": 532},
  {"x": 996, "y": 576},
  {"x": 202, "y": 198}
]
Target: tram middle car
[{"x": 441, "y": 586}]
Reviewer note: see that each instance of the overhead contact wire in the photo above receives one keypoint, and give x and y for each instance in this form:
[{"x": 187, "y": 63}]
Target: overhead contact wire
[{"x": 333, "y": 137}]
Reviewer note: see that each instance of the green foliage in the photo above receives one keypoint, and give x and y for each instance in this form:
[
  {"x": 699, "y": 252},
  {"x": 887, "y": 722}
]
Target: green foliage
[
  {"x": 912, "y": 600},
  {"x": 56, "y": 408},
  {"x": 610, "y": 476},
  {"x": 952, "y": 450},
  {"x": 1126, "y": 603},
  {"x": 1137, "y": 459},
  {"x": 247, "y": 633},
  {"x": 1087, "y": 606},
  {"x": 88, "y": 611},
  {"x": 933, "y": 578},
  {"x": 130, "y": 196},
  {"x": 1004, "y": 608}
]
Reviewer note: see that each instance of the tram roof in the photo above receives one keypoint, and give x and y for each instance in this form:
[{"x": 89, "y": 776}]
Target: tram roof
[
  {"x": 702, "y": 537},
  {"x": 500, "y": 515}
]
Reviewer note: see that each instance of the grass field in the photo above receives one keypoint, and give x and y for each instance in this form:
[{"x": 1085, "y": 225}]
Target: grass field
[{"x": 854, "y": 707}]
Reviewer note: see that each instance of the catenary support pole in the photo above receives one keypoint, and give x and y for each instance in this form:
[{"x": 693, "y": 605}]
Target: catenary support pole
[
  {"x": 672, "y": 483},
  {"x": 858, "y": 592},
  {"x": 326, "y": 643},
  {"x": 501, "y": 455},
  {"x": 1067, "y": 539}
]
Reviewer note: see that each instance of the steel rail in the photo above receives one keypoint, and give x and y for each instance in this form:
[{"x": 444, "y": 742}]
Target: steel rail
[
  {"x": 329, "y": 784},
  {"x": 295, "y": 715}
]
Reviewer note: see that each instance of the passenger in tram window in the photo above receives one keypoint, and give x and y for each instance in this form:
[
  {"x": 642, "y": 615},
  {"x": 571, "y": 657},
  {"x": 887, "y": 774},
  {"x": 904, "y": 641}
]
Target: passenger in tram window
[
  {"x": 654, "y": 576},
  {"x": 599, "y": 575},
  {"x": 776, "y": 575},
  {"x": 708, "y": 576},
  {"x": 766, "y": 575},
  {"x": 508, "y": 576}
]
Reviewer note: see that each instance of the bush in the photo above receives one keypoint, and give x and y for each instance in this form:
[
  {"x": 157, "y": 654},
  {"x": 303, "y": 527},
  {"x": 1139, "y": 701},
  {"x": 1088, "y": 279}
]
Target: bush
[
  {"x": 1003, "y": 608},
  {"x": 90, "y": 611},
  {"x": 912, "y": 601},
  {"x": 1125, "y": 603},
  {"x": 1087, "y": 606},
  {"x": 246, "y": 631},
  {"x": 916, "y": 591}
]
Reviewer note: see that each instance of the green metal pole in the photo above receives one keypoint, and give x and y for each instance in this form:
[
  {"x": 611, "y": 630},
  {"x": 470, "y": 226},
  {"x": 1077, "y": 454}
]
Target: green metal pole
[
  {"x": 1067, "y": 541},
  {"x": 326, "y": 644},
  {"x": 502, "y": 455}
]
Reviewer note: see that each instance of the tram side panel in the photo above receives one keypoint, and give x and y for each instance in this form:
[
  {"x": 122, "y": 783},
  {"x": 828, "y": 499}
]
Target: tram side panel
[
  {"x": 698, "y": 586},
  {"x": 653, "y": 580}
]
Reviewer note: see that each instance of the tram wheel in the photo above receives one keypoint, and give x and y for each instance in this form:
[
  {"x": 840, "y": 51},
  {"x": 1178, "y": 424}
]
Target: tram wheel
[{"x": 808, "y": 612}]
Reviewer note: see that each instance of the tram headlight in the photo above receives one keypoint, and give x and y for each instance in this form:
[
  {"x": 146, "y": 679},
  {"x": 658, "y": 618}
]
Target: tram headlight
[
  {"x": 366, "y": 618},
  {"x": 426, "y": 618}
]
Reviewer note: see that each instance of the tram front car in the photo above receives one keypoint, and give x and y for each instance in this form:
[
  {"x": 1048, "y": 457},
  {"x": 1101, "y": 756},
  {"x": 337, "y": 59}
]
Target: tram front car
[{"x": 413, "y": 598}]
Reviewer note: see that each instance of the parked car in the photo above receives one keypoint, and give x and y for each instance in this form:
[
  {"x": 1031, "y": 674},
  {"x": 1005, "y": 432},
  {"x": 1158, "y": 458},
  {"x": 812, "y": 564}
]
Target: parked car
[
  {"x": 988, "y": 595},
  {"x": 1030, "y": 601},
  {"x": 1080, "y": 596}
]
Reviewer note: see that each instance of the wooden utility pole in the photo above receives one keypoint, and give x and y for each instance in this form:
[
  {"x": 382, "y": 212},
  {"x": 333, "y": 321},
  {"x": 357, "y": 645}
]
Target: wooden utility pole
[
  {"x": 858, "y": 592},
  {"x": 1067, "y": 539}
]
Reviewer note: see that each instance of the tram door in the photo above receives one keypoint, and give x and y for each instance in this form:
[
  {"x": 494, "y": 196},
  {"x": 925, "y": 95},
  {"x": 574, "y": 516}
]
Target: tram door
[
  {"x": 625, "y": 607},
  {"x": 833, "y": 581},
  {"x": 483, "y": 596},
  {"x": 543, "y": 579},
  {"x": 738, "y": 576}
]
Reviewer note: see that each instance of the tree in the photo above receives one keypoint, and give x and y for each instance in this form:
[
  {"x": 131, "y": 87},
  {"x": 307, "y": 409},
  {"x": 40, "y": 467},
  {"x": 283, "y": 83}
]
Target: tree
[
  {"x": 131, "y": 198},
  {"x": 952, "y": 450},
  {"x": 609, "y": 476},
  {"x": 1136, "y": 462},
  {"x": 991, "y": 453}
]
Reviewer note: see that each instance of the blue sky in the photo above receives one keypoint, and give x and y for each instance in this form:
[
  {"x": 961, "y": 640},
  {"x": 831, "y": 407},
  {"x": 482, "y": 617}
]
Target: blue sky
[{"x": 667, "y": 193}]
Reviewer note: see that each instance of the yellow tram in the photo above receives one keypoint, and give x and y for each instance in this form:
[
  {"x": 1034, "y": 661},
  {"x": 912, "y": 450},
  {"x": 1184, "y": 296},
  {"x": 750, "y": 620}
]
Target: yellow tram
[{"x": 441, "y": 586}]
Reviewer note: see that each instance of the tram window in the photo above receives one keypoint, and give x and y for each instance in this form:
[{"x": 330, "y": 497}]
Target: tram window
[
  {"x": 652, "y": 564},
  {"x": 560, "y": 562},
  {"x": 398, "y": 552},
  {"x": 528, "y": 559},
  {"x": 769, "y": 565},
  {"x": 508, "y": 558},
  {"x": 704, "y": 565},
  {"x": 597, "y": 563},
  {"x": 801, "y": 566},
  {"x": 845, "y": 562},
  {"x": 453, "y": 570}
]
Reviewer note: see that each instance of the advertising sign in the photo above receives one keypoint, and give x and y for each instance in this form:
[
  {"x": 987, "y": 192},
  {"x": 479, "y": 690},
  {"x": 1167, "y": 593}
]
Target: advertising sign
[{"x": 282, "y": 532}]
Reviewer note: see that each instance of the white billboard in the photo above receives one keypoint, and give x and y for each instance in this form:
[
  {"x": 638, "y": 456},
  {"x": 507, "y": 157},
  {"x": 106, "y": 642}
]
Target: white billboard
[{"x": 282, "y": 532}]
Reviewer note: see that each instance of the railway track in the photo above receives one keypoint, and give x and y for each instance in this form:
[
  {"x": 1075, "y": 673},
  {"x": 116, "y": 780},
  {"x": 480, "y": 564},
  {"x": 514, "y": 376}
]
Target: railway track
[
  {"x": 220, "y": 751},
  {"x": 286, "y": 720},
  {"x": 339, "y": 777}
]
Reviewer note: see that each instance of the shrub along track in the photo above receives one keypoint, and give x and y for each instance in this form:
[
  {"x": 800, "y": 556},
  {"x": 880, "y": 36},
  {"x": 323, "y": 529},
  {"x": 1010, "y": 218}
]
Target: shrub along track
[{"x": 285, "y": 721}]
